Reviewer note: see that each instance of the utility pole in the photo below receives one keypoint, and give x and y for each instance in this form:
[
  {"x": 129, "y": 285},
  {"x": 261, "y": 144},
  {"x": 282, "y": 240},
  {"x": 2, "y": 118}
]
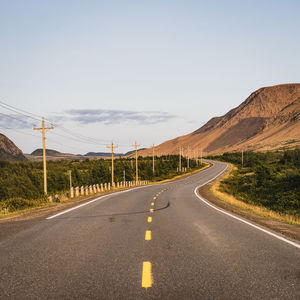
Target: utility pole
[
  {"x": 124, "y": 177},
  {"x": 242, "y": 157},
  {"x": 153, "y": 159},
  {"x": 112, "y": 147},
  {"x": 136, "y": 161},
  {"x": 180, "y": 159},
  {"x": 70, "y": 176},
  {"x": 43, "y": 128},
  {"x": 188, "y": 157},
  {"x": 201, "y": 155}
]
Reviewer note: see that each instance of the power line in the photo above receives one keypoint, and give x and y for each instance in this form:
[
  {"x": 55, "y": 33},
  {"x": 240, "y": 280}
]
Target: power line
[
  {"x": 75, "y": 136},
  {"x": 17, "y": 110},
  {"x": 80, "y": 138},
  {"x": 11, "y": 117},
  {"x": 76, "y": 140},
  {"x": 13, "y": 129},
  {"x": 80, "y": 135}
]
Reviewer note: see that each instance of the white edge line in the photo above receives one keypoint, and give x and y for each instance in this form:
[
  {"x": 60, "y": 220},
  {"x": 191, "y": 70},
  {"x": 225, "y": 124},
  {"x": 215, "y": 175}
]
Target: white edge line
[
  {"x": 94, "y": 200},
  {"x": 240, "y": 219}
]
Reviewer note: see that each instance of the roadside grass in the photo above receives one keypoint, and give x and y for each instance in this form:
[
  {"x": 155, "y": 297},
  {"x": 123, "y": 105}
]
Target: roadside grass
[{"x": 258, "y": 210}]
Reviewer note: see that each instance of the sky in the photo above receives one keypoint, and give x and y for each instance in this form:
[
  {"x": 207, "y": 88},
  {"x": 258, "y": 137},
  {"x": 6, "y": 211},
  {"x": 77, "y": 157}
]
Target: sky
[{"x": 144, "y": 71}]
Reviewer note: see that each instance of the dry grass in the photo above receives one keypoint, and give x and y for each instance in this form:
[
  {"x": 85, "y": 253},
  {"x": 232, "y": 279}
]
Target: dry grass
[{"x": 258, "y": 210}]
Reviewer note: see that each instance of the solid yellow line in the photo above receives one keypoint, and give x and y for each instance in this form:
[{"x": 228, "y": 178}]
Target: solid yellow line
[
  {"x": 149, "y": 219},
  {"x": 147, "y": 276},
  {"x": 152, "y": 203},
  {"x": 151, "y": 210}
]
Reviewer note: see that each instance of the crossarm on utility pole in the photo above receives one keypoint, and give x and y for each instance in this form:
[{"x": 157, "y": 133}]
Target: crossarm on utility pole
[
  {"x": 43, "y": 128},
  {"x": 136, "y": 161},
  {"x": 112, "y": 147}
]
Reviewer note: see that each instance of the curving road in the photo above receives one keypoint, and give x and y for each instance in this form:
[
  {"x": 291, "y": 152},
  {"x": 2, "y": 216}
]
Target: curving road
[{"x": 116, "y": 248}]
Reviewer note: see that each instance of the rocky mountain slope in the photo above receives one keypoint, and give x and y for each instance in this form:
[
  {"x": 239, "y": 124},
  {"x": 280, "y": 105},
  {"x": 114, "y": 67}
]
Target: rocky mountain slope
[
  {"x": 9, "y": 151},
  {"x": 268, "y": 119}
]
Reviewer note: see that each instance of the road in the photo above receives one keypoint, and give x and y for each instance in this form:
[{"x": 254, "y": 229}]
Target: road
[{"x": 191, "y": 251}]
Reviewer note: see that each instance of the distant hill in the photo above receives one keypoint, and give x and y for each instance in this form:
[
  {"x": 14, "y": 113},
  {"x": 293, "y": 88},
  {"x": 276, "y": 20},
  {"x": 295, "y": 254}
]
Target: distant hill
[
  {"x": 9, "y": 151},
  {"x": 49, "y": 152},
  {"x": 102, "y": 154},
  {"x": 268, "y": 119},
  {"x": 37, "y": 155}
]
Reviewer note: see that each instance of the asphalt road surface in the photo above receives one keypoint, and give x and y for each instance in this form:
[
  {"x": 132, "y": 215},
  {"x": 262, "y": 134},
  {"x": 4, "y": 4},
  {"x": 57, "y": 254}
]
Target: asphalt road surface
[{"x": 116, "y": 247}]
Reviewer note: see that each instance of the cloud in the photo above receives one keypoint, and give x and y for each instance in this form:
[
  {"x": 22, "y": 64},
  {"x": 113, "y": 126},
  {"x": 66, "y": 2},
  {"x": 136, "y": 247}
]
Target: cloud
[
  {"x": 88, "y": 116},
  {"x": 15, "y": 121},
  {"x": 106, "y": 116}
]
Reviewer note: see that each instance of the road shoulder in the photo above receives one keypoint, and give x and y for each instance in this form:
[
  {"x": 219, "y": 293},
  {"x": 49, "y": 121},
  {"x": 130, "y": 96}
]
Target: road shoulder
[{"x": 288, "y": 230}]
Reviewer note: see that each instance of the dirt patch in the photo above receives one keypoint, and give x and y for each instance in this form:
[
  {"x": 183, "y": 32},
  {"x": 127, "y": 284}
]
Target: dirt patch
[{"x": 291, "y": 231}]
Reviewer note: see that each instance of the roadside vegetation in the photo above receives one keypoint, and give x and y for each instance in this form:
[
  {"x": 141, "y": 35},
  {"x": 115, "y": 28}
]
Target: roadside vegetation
[
  {"x": 21, "y": 183},
  {"x": 268, "y": 180}
]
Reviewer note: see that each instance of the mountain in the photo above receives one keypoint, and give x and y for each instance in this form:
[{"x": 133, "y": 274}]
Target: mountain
[
  {"x": 9, "y": 151},
  {"x": 49, "y": 152},
  {"x": 130, "y": 153},
  {"x": 102, "y": 154},
  {"x": 37, "y": 155},
  {"x": 268, "y": 119}
]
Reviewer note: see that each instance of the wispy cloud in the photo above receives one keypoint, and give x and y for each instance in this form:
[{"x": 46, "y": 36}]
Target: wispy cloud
[
  {"x": 106, "y": 116},
  {"x": 88, "y": 116},
  {"x": 15, "y": 121}
]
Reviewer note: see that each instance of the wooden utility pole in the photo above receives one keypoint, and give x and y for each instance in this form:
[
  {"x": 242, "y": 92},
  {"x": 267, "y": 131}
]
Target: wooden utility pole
[
  {"x": 180, "y": 159},
  {"x": 136, "y": 161},
  {"x": 112, "y": 147},
  {"x": 201, "y": 155},
  {"x": 242, "y": 157},
  {"x": 153, "y": 159},
  {"x": 70, "y": 176},
  {"x": 188, "y": 157},
  {"x": 43, "y": 128}
]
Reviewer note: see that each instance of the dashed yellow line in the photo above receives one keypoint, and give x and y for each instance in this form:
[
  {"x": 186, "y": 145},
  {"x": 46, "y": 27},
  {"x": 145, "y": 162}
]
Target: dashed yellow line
[
  {"x": 149, "y": 219},
  {"x": 148, "y": 235},
  {"x": 154, "y": 198},
  {"x": 152, "y": 204},
  {"x": 147, "y": 275},
  {"x": 151, "y": 210}
]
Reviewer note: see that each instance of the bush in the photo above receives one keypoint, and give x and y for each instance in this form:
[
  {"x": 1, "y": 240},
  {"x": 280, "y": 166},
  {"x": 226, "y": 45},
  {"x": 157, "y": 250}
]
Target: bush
[{"x": 270, "y": 179}]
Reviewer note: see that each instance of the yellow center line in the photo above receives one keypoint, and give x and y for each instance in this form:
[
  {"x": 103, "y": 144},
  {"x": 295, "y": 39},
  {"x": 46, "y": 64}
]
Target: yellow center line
[
  {"x": 147, "y": 275},
  {"x": 149, "y": 219},
  {"x": 154, "y": 198},
  {"x": 148, "y": 235},
  {"x": 151, "y": 210},
  {"x": 152, "y": 203}
]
